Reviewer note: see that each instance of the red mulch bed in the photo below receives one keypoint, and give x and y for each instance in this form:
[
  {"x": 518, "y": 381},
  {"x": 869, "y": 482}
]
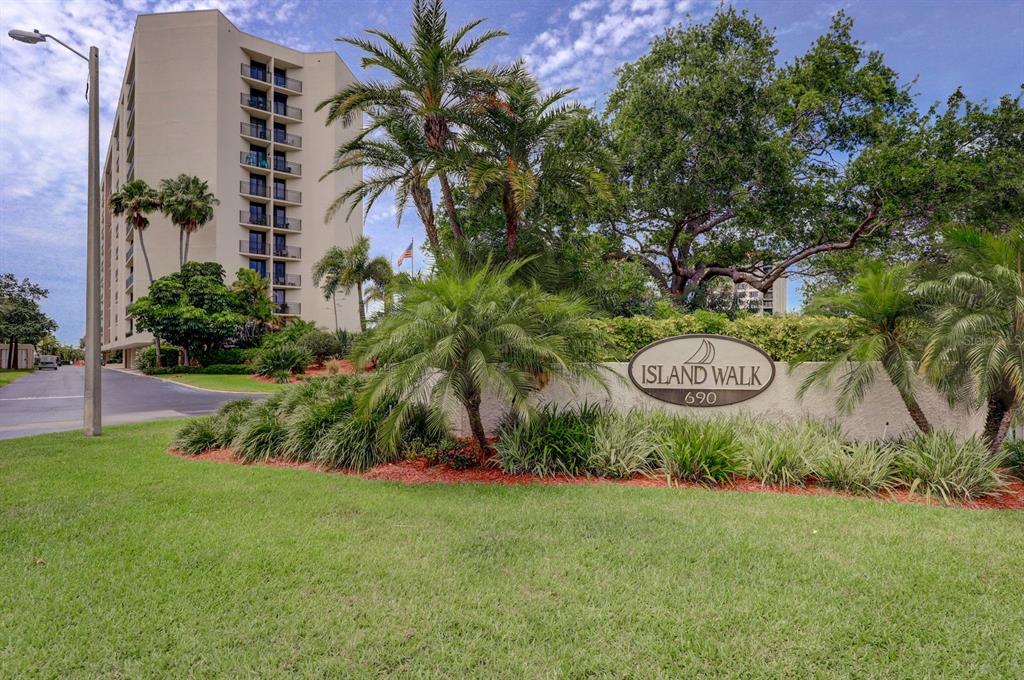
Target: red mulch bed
[
  {"x": 422, "y": 472},
  {"x": 344, "y": 366}
]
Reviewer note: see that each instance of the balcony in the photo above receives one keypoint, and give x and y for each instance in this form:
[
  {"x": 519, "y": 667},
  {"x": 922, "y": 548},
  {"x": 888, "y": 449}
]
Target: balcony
[
  {"x": 255, "y": 219},
  {"x": 256, "y": 102},
  {"x": 289, "y": 252},
  {"x": 289, "y": 223},
  {"x": 252, "y": 248},
  {"x": 282, "y": 194},
  {"x": 282, "y": 137},
  {"x": 250, "y": 188},
  {"x": 287, "y": 83},
  {"x": 258, "y": 74},
  {"x": 129, "y": 174},
  {"x": 128, "y": 281},
  {"x": 254, "y": 159},
  {"x": 288, "y": 308},
  {"x": 282, "y": 109},
  {"x": 287, "y": 167},
  {"x": 129, "y": 253},
  {"x": 129, "y": 127},
  {"x": 287, "y": 280},
  {"x": 255, "y": 131}
]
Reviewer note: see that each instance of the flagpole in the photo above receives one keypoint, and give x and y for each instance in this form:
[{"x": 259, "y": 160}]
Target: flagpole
[{"x": 412, "y": 256}]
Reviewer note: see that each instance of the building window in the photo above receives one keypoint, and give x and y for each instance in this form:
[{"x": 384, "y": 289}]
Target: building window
[{"x": 259, "y": 266}]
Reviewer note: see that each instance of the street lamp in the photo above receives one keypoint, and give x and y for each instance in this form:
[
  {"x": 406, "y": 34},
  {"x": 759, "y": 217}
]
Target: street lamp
[{"x": 93, "y": 413}]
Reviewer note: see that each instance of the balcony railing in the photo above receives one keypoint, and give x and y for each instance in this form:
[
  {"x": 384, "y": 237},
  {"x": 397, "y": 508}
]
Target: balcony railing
[
  {"x": 130, "y": 172},
  {"x": 255, "y": 101},
  {"x": 252, "y": 248},
  {"x": 293, "y": 252},
  {"x": 128, "y": 253},
  {"x": 129, "y": 280},
  {"x": 293, "y": 308},
  {"x": 246, "y": 217},
  {"x": 255, "y": 73},
  {"x": 282, "y": 165},
  {"x": 257, "y": 131},
  {"x": 254, "y": 159},
  {"x": 287, "y": 280},
  {"x": 282, "y": 109},
  {"x": 289, "y": 223},
  {"x": 285, "y": 81},
  {"x": 282, "y": 194},
  {"x": 253, "y": 188},
  {"x": 282, "y": 137}
]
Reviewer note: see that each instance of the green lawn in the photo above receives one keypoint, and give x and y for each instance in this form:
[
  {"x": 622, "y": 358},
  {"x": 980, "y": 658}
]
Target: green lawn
[
  {"x": 229, "y": 383},
  {"x": 9, "y": 375},
  {"x": 119, "y": 560}
]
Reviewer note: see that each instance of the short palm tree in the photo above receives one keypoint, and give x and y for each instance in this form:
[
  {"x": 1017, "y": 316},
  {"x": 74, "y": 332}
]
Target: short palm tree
[
  {"x": 517, "y": 148},
  {"x": 188, "y": 202},
  {"x": 465, "y": 333},
  {"x": 348, "y": 268},
  {"x": 135, "y": 200},
  {"x": 253, "y": 294},
  {"x": 882, "y": 305},
  {"x": 975, "y": 351},
  {"x": 400, "y": 160},
  {"x": 431, "y": 81}
]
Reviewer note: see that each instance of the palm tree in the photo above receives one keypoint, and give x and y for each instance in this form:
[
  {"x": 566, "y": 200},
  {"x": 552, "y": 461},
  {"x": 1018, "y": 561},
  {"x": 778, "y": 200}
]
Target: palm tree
[
  {"x": 188, "y": 202},
  {"x": 518, "y": 149},
  {"x": 975, "y": 351},
  {"x": 348, "y": 268},
  {"x": 464, "y": 333},
  {"x": 252, "y": 291},
  {"x": 400, "y": 160},
  {"x": 431, "y": 82},
  {"x": 884, "y": 309},
  {"x": 135, "y": 200}
]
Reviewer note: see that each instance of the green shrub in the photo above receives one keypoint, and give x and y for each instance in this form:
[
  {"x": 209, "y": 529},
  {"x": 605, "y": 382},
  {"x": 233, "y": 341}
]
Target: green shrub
[
  {"x": 703, "y": 451},
  {"x": 271, "y": 360},
  {"x": 352, "y": 444},
  {"x": 345, "y": 341},
  {"x": 146, "y": 359},
  {"x": 288, "y": 335},
  {"x": 556, "y": 440},
  {"x": 937, "y": 464},
  {"x": 784, "y": 453},
  {"x": 198, "y": 435},
  {"x": 233, "y": 356},
  {"x": 215, "y": 369},
  {"x": 320, "y": 345},
  {"x": 310, "y": 423},
  {"x": 229, "y": 418},
  {"x": 862, "y": 468},
  {"x": 1014, "y": 458},
  {"x": 260, "y": 436},
  {"x": 623, "y": 446}
]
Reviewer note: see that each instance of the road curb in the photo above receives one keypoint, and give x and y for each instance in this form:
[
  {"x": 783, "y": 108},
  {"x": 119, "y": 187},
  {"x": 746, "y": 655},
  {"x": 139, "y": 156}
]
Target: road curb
[{"x": 181, "y": 384}]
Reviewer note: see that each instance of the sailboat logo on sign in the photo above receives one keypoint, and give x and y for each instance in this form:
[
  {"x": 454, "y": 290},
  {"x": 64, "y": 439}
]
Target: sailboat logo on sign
[{"x": 702, "y": 370}]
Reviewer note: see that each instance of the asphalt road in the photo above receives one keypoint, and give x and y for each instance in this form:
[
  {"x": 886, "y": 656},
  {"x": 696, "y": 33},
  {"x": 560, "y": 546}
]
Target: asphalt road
[{"x": 52, "y": 401}]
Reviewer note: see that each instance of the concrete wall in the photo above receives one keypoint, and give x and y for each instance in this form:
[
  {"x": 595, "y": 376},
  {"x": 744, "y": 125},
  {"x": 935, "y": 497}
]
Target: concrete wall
[{"x": 882, "y": 413}]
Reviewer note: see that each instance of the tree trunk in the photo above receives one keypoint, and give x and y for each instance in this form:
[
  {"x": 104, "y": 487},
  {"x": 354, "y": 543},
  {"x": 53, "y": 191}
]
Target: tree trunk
[
  {"x": 476, "y": 424},
  {"x": 916, "y": 414},
  {"x": 449, "y": 203},
  {"x": 181, "y": 247},
  {"x": 362, "y": 308},
  {"x": 145, "y": 255},
  {"x": 184, "y": 257},
  {"x": 424, "y": 206},
  {"x": 508, "y": 206},
  {"x": 12, "y": 353},
  {"x": 334, "y": 302},
  {"x": 159, "y": 361},
  {"x": 188, "y": 360},
  {"x": 997, "y": 422}
]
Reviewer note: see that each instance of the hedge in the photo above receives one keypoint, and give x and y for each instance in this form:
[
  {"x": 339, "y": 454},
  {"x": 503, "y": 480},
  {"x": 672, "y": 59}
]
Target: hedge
[
  {"x": 212, "y": 369},
  {"x": 230, "y": 356},
  {"x": 784, "y": 338}
]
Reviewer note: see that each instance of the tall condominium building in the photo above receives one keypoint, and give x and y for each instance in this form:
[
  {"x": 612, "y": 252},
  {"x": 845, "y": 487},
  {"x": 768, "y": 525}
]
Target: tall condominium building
[
  {"x": 202, "y": 98},
  {"x": 773, "y": 301}
]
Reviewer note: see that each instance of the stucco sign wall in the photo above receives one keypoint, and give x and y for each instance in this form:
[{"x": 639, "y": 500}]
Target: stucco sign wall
[{"x": 702, "y": 370}]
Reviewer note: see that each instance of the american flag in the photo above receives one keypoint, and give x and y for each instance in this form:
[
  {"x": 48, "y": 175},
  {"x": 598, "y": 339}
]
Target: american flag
[{"x": 406, "y": 254}]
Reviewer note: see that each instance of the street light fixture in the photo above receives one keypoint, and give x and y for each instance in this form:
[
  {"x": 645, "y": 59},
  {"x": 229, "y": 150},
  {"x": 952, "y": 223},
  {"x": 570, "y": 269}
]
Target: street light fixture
[{"x": 92, "y": 413}]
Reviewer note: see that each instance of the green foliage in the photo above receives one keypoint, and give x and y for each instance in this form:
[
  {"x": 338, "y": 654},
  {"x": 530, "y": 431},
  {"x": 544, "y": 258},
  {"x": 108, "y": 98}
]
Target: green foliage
[
  {"x": 936, "y": 464},
  {"x": 1013, "y": 458},
  {"x": 252, "y": 295},
  {"x": 145, "y": 360},
  {"x": 198, "y": 435},
  {"x": 281, "y": 358},
  {"x": 212, "y": 369},
  {"x": 345, "y": 339},
  {"x": 623, "y": 446},
  {"x": 553, "y": 441},
  {"x": 188, "y": 202},
  {"x": 21, "y": 319},
  {"x": 783, "y": 338},
  {"x": 232, "y": 355},
  {"x": 861, "y": 468},
  {"x": 704, "y": 451},
  {"x": 784, "y": 453},
  {"x": 310, "y": 423},
  {"x": 229, "y": 419},
  {"x": 342, "y": 269},
  {"x": 260, "y": 436},
  {"x": 321, "y": 345}
]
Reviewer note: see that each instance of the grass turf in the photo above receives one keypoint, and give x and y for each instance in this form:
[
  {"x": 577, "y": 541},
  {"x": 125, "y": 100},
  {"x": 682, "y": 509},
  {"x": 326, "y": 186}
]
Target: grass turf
[
  {"x": 229, "y": 383},
  {"x": 9, "y": 375},
  {"x": 119, "y": 560}
]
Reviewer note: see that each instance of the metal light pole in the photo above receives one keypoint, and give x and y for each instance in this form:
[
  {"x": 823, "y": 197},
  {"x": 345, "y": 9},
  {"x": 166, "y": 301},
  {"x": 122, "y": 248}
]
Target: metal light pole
[{"x": 93, "y": 413}]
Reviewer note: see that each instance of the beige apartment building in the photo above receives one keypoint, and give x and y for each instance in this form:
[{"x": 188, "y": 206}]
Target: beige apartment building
[{"x": 201, "y": 97}]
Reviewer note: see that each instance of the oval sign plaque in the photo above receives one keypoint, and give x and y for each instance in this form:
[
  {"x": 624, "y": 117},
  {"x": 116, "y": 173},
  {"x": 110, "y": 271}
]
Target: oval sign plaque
[{"x": 702, "y": 370}]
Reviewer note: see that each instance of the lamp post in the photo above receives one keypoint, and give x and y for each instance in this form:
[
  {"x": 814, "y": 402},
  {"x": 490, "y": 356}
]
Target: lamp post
[{"x": 92, "y": 413}]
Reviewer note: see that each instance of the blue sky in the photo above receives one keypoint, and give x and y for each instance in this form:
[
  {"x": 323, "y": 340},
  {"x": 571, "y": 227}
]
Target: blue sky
[{"x": 977, "y": 44}]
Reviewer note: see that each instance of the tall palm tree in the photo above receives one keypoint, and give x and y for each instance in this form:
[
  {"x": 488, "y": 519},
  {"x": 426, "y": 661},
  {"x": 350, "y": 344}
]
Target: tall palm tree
[
  {"x": 188, "y": 202},
  {"x": 400, "y": 160},
  {"x": 431, "y": 81},
  {"x": 464, "y": 333},
  {"x": 976, "y": 347},
  {"x": 518, "y": 149},
  {"x": 348, "y": 268},
  {"x": 135, "y": 200},
  {"x": 882, "y": 305}
]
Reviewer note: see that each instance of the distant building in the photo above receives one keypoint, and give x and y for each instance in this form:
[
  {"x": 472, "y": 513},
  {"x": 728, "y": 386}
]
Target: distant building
[
  {"x": 774, "y": 301},
  {"x": 201, "y": 97}
]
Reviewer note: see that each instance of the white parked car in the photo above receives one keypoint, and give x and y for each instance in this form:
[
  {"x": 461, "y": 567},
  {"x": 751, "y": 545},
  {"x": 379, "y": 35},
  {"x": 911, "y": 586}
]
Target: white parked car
[{"x": 48, "y": 361}]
